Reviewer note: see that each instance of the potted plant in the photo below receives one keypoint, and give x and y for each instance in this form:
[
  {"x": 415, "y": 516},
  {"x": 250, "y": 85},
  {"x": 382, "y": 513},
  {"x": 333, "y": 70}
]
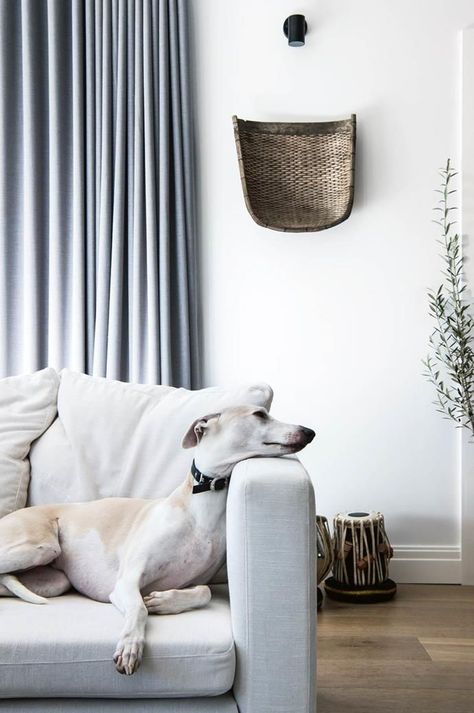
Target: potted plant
[{"x": 450, "y": 362}]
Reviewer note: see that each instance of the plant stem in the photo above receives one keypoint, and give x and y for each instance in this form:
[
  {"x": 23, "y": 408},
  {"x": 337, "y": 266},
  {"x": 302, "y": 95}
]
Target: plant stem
[{"x": 452, "y": 359}]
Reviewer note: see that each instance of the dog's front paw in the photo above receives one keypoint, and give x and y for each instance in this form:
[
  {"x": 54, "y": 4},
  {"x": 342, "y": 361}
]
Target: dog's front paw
[{"x": 128, "y": 655}]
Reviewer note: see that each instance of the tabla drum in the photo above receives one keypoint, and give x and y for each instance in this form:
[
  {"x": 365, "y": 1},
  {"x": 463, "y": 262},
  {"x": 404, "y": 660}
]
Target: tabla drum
[
  {"x": 362, "y": 554},
  {"x": 324, "y": 552},
  {"x": 323, "y": 548}
]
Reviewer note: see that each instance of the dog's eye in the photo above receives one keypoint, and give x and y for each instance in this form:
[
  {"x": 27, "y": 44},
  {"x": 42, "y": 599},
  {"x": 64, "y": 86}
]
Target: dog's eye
[{"x": 260, "y": 414}]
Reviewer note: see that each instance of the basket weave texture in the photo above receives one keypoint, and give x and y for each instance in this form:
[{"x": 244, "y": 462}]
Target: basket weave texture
[{"x": 297, "y": 177}]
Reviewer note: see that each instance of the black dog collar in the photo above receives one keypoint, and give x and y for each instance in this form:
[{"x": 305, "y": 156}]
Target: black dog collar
[{"x": 205, "y": 483}]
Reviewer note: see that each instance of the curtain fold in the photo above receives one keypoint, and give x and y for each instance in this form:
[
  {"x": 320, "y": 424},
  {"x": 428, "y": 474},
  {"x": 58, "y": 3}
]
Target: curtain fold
[{"x": 97, "y": 228}]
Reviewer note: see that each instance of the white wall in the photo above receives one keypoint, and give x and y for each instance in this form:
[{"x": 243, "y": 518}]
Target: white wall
[{"x": 337, "y": 321}]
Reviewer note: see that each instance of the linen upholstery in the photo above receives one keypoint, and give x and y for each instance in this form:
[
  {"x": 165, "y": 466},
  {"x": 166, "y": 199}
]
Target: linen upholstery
[
  {"x": 27, "y": 408},
  {"x": 65, "y": 648},
  {"x": 219, "y": 704},
  {"x": 271, "y": 562},
  {"x": 117, "y": 439}
]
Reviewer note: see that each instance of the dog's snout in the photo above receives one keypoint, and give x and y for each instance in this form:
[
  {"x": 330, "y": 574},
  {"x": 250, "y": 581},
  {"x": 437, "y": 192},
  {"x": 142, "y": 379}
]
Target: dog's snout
[{"x": 308, "y": 434}]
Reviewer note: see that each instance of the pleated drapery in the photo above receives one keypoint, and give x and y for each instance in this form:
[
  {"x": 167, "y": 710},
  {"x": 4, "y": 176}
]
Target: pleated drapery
[{"x": 97, "y": 256}]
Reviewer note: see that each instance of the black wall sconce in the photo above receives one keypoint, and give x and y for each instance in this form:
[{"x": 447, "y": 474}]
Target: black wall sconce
[{"x": 295, "y": 28}]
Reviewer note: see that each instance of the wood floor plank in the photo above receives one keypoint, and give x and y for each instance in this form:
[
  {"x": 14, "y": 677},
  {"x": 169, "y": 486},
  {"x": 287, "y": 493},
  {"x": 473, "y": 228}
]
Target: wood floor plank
[
  {"x": 460, "y": 650},
  {"x": 400, "y": 674},
  {"x": 393, "y": 648},
  {"x": 380, "y": 626},
  {"x": 453, "y": 642},
  {"x": 400, "y": 700},
  {"x": 439, "y": 592}
]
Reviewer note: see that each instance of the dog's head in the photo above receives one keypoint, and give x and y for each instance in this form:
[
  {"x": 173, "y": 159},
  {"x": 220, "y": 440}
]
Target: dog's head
[{"x": 223, "y": 439}]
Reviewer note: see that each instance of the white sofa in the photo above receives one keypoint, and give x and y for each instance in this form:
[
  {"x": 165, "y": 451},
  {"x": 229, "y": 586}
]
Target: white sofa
[{"x": 252, "y": 649}]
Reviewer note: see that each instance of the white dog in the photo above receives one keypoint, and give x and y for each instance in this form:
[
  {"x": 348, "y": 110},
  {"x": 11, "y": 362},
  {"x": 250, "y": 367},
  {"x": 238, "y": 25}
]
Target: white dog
[{"x": 145, "y": 556}]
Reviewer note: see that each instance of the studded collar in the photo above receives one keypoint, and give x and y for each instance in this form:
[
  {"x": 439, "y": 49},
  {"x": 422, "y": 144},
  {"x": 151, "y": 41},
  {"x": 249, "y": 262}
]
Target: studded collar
[{"x": 205, "y": 482}]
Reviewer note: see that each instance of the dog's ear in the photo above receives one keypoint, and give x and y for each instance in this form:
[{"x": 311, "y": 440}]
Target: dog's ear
[{"x": 196, "y": 430}]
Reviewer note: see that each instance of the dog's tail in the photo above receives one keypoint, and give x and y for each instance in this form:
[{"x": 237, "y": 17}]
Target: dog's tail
[{"x": 14, "y": 586}]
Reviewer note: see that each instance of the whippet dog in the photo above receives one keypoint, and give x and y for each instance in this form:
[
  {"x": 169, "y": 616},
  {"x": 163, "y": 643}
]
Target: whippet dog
[{"x": 145, "y": 556}]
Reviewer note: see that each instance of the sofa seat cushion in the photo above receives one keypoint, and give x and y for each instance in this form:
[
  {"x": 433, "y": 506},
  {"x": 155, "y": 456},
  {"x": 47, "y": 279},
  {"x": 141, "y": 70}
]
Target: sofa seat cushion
[
  {"x": 217, "y": 704},
  {"x": 65, "y": 649}
]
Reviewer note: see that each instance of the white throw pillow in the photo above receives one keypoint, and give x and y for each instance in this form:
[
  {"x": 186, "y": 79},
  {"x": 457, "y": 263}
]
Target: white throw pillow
[
  {"x": 117, "y": 439},
  {"x": 27, "y": 408}
]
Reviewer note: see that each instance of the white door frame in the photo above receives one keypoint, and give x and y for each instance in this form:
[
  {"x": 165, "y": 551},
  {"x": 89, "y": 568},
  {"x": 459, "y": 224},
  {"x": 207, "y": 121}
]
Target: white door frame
[{"x": 467, "y": 228}]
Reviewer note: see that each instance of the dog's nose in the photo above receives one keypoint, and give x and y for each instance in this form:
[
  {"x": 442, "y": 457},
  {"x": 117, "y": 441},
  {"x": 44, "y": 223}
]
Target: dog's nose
[{"x": 308, "y": 433}]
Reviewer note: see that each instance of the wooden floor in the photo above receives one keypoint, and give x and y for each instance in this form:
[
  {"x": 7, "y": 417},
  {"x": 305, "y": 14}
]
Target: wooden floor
[{"x": 414, "y": 654}]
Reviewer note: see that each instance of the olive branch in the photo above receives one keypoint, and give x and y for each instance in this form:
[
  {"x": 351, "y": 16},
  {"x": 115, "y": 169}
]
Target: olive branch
[{"x": 450, "y": 363}]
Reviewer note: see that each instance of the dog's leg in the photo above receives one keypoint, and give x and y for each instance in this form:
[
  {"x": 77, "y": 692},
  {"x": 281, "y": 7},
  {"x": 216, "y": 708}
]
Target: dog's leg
[
  {"x": 24, "y": 545},
  {"x": 44, "y": 581},
  {"x": 127, "y": 598},
  {"x": 175, "y": 601},
  {"x": 15, "y": 556}
]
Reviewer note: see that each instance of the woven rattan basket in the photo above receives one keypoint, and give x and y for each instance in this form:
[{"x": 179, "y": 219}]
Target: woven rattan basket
[{"x": 297, "y": 177}]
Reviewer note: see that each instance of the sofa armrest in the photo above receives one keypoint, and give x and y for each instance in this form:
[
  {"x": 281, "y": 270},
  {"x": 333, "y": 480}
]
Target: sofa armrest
[{"x": 271, "y": 561}]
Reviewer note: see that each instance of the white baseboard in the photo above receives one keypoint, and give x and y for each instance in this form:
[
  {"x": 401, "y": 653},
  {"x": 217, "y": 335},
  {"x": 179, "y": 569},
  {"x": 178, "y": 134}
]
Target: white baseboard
[{"x": 426, "y": 565}]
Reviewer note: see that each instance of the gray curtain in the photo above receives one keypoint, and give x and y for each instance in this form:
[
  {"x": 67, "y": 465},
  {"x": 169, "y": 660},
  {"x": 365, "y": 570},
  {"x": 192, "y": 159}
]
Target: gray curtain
[{"x": 97, "y": 253}]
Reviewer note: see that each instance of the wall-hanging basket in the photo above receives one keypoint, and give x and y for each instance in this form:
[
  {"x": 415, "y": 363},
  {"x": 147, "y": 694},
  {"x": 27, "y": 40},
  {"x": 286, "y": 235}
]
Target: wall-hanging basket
[{"x": 297, "y": 177}]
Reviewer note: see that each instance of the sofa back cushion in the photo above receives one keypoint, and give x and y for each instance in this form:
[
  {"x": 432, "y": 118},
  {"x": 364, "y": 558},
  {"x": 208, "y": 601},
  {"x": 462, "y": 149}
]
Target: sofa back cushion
[
  {"x": 27, "y": 408},
  {"x": 118, "y": 439}
]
